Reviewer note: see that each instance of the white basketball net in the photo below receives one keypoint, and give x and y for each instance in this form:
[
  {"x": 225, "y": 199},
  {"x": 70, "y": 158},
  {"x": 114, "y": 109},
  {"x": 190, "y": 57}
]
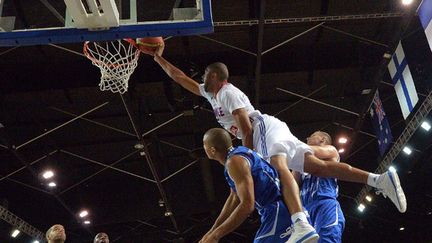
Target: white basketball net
[{"x": 116, "y": 60}]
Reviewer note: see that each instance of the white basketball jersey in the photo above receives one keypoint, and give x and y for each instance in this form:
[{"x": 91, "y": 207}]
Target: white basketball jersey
[{"x": 228, "y": 99}]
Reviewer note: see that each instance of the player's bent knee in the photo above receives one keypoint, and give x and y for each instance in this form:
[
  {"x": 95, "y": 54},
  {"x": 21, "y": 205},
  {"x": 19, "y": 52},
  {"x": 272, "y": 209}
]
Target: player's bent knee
[{"x": 279, "y": 162}]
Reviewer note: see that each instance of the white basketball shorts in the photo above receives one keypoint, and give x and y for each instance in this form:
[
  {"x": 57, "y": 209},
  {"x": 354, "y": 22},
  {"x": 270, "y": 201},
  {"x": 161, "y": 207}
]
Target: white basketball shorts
[{"x": 273, "y": 137}]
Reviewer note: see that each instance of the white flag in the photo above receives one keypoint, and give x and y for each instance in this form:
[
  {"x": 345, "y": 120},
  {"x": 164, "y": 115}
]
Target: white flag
[
  {"x": 425, "y": 15},
  {"x": 403, "y": 81}
]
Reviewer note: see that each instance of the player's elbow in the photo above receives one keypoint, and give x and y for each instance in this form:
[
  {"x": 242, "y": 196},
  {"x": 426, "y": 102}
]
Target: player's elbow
[{"x": 315, "y": 166}]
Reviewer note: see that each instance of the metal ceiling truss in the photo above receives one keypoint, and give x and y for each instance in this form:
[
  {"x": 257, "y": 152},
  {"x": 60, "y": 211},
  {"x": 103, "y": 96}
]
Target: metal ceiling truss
[
  {"x": 319, "y": 102},
  {"x": 260, "y": 52},
  {"x": 252, "y": 22},
  {"x": 58, "y": 127},
  {"x": 21, "y": 225},
  {"x": 297, "y": 102},
  {"x": 292, "y": 38},
  {"x": 31, "y": 163},
  {"x": 355, "y": 36}
]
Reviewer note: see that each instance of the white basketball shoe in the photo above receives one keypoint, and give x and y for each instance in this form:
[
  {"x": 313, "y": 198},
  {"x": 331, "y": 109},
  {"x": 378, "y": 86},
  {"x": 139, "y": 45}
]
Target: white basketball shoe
[
  {"x": 303, "y": 232},
  {"x": 388, "y": 184}
]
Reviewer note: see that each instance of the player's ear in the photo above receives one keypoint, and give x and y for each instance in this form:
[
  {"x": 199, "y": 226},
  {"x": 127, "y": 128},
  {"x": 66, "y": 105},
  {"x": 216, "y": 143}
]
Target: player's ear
[
  {"x": 213, "y": 75},
  {"x": 213, "y": 150}
]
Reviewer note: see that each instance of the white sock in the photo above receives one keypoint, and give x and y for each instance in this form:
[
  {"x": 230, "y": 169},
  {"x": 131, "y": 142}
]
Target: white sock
[
  {"x": 372, "y": 179},
  {"x": 299, "y": 216}
]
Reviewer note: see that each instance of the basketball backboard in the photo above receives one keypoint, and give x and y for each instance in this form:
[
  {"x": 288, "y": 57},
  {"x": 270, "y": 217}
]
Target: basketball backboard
[{"x": 36, "y": 22}]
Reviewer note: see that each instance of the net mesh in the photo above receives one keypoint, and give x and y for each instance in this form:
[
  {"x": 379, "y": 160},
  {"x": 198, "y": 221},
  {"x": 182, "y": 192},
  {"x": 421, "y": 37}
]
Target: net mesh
[{"x": 116, "y": 60}]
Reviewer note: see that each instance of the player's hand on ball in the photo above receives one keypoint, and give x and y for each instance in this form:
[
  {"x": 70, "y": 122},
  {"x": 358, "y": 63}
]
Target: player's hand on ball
[
  {"x": 159, "y": 50},
  {"x": 151, "y": 45}
]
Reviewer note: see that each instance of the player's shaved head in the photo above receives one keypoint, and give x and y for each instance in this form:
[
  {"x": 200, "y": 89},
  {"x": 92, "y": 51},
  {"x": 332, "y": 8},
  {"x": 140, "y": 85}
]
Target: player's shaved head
[
  {"x": 218, "y": 138},
  {"x": 220, "y": 69},
  {"x": 326, "y": 136},
  {"x": 56, "y": 234},
  {"x": 101, "y": 238}
]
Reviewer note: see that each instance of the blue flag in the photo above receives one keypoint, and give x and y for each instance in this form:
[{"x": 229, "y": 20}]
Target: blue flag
[
  {"x": 403, "y": 81},
  {"x": 380, "y": 124},
  {"x": 425, "y": 15}
]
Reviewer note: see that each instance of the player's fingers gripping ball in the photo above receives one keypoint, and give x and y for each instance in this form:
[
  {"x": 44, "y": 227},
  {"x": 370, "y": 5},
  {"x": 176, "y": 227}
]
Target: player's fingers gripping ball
[{"x": 150, "y": 45}]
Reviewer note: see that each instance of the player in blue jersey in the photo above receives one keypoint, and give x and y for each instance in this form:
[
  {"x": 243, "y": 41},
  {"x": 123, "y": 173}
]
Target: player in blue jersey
[
  {"x": 254, "y": 183},
  {"x": 319, "y": 194}
]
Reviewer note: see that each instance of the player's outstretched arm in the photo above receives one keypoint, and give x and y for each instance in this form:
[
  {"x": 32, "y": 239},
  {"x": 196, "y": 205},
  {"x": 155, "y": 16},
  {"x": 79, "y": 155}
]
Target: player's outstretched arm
[
  {"x": 178, "y": 75},
  {"x": 230, "y": 204},
  {"x": 239, "y": 170}
]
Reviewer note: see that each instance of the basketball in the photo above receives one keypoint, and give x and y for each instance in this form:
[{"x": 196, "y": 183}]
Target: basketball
[{"x": 149, "y": 44}]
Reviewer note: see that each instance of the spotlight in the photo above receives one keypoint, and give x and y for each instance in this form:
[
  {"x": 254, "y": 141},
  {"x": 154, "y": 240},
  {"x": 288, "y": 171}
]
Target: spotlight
[
  {"x": 407, "y": 2},
  {"x": 87, "y": 222},
  {"x": 343, "y": 140},
  {"x": 48, "y": 174},
  {"x": 401, "y": 228},
  {"x": 36, "y": 241},
  {"x": 407, "y": 150},
  {"x": 341, "y": 150},
  {"x": 83, "y": 213},
  {"x": 52, "y": 184},
  {"x": 368, "y": 198},
  {"x": 426, "y": 126},
  {"x": 392, "y": 169},
  {"x": 15, "y": 233},
  {"x": 361, "y": 207}
]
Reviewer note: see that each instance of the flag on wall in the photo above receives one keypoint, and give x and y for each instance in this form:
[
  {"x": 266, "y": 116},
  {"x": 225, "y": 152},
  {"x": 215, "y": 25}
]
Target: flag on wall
[
  {"x": 425, "y": 15},
  {"x": 403, "y": 81},
  {"x": 380, "y": 124}
]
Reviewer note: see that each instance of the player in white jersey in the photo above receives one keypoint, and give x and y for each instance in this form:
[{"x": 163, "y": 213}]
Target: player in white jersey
[
  {"x": 272, "y": 138},
  {"x": 235, "y": 113}
]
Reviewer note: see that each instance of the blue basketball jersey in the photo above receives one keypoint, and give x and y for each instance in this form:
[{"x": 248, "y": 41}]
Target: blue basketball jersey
[
  {"x": 266, "y": 181},
  {"x": 275, "y": 218},
  {"x": 318, "y": 196},
  {"x": 315, "y": 188}
]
